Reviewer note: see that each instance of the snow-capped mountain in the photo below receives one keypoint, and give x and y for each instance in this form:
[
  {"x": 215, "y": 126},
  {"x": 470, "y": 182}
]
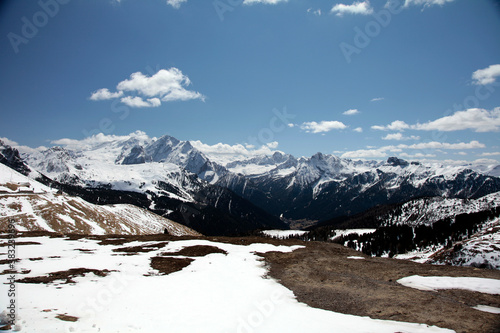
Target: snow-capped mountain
[
  {"x": 313, "y": 188},
  {"x": 325, "y": 186},
  {"x": 96, "y": 170}
]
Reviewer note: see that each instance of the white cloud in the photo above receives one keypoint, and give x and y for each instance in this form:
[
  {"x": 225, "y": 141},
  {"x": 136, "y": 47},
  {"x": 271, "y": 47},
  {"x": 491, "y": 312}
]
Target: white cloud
[
  {"x": 426, "y": 3},
  {"x": 361, "y": 8},
  {"x": 98, "y": 139},
  {"x": 316, "y": 12},
  {"x": 266, "y": 2},
  {"x": 377, "y": 99},
  {"x": 365, "y": 153},
  {"x": 491, "y": 154},
  {"x": 400, "y": 137},
  {"x": 291, "y": 125},
  {"x": 104, "y": 94},
  {"x": 21, "y": 148},
  {"x": 381, "y": 152},
  {"x": 417, "y": 155},
  {"x": 358, "y": 129},
  {"x": 479, "y": 120},
  {"x": 444, "y": 145},
  {"x": 397, "y": 125},
  {"x": 322, "y": 126},
  {"x": 9, "y": 142},
  {"x": 351, "y": 112},
  {"x": 175, "y": 3},
  {"x": 138, "y": 102},
  {"x": 487, "y": 75},
  {"x": 166, "y": 85},
  {"x": 224, "y": 153},
  {"x": 272, "y": 145}
]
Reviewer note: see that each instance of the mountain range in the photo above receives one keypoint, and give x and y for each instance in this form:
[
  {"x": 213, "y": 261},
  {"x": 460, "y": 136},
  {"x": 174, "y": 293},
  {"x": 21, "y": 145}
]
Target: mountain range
[{"x": 228, "y": 194}]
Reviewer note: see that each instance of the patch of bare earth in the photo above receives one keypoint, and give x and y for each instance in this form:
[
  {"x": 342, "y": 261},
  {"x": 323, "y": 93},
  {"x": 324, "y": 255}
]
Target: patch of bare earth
[
  {"x": 196, "y": 251},
  {"x": 141, "y": 248},
  {"x": 20, "y": 243},
  {"x": 167, "y": 265},
  {"x": 66, "y": 317},
  {"x": 321, "y": 276},
  {"x": 66, "y": 276}
]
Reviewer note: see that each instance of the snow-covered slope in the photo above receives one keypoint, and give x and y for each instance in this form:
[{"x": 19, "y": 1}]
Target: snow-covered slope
[
  {"x": 482, "y": 249},
  {"x": 462, "y": 232},
  {"x": 426, "y": 211},
  {"x": 33, "y": 206}
]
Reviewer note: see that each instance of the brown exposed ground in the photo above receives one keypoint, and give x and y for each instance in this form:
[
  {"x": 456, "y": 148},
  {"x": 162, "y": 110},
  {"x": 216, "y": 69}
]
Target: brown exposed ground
[
  {"x": 167, "y": 265},
  {"x": 196, "y": 251},
  {"x": 321, "y": 276},
  {"x": 66, "y": 276}
]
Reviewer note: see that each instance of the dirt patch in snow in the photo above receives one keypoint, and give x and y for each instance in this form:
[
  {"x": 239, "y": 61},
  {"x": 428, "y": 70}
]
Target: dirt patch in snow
[
  {"x": 21, "y": 243},
  {"x": 66, "y": 317},
  {"x": 322, "y": 276},
  {"x": 141, "y": 248},
  {"x": 196, "y": 251},
  {"x": 167, "y": 265},
  {"x": 8, "y": 261},
  {"x": 66, "y": 276}
]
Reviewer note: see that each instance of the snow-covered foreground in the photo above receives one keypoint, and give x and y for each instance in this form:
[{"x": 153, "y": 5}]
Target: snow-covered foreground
[{"x": 215, "y": 293}]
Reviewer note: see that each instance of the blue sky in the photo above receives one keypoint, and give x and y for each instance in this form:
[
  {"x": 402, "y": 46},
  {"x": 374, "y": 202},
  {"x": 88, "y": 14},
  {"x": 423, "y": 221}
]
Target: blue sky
[{"x": 421, "y": 78}]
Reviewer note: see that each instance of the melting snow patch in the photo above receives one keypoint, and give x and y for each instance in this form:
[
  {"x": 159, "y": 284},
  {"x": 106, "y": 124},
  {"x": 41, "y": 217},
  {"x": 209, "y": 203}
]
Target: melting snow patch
[
  {"x": 356, "y": 257},
  {"x": 433, "y": 283},
  {"x": 486, "y": 308}
]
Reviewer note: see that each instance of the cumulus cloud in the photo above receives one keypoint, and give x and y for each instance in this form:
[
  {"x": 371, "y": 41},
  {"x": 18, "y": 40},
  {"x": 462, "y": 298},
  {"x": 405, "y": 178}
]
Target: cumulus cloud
[
  {"x": 167, "y": 84},
  {"x": 400, "y": 137},
  {"x": 358, "y": 129},
  {"x": 224, "y": 153},
  {"x": 376, "y": 99},
  {"x": 397, "y": 125},
  {"x": 486, "y": 75},
  {"x": 365, "y": 153},
  {"x": 273, "y": 145},
  {"x": 175, "y": 3},
  {"x": 140, "y": 90},
  {"x": 104, "y": 94},
  {"x": 417, "y": 155},
  {"x": 351, "y": 112},
  {"x": 357, "y": 8},
  {"x": 322, "y": 126},
  {"x": 21, "y": 148},
  {"x": 138, "y": 102},
  {"x": 98, "y": 139},
  {"x": 479, "y": 120}
]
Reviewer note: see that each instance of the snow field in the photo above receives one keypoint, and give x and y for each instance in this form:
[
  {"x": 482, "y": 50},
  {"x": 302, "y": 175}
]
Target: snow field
[{"x": 215, "y": 293}]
